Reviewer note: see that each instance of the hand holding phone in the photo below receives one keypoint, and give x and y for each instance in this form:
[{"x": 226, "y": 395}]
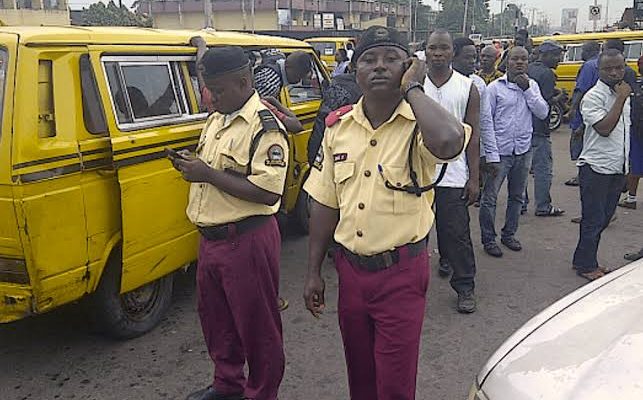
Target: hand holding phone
[{"x": 415, "y": 71}]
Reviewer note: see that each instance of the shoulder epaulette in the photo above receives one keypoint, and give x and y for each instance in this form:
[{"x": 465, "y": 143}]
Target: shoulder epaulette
[
  {"x": 334, "y": 116},
  {"x": 268, "y": 121}
]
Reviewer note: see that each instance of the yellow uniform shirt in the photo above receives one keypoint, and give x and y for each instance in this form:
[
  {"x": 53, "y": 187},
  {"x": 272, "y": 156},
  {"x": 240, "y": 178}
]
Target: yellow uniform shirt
[
  {"x": 225, "y": 145},
  {"x": 491, "y": 77},
  {"x": 346, "y": 176}
]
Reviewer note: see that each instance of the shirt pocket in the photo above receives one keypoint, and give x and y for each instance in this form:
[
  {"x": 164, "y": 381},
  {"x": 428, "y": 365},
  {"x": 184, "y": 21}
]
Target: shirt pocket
[
  {"x": 342, "y": 173},
  {"x": 232, "y": 160},
  {"x": 403, "y": 202}
]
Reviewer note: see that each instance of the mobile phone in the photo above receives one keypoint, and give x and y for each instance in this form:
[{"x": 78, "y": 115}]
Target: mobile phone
[{"x": 173, "y": 153}]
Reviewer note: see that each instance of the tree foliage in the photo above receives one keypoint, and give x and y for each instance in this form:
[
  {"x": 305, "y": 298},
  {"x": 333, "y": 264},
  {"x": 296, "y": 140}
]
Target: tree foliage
[
  {"x": 99, "y": 14},
  {"x": 451, "y": 17}
]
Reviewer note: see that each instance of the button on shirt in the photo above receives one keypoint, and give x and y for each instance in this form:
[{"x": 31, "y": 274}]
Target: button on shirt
[
  {"x": 511, "y": 109},
  {"x": 225, "y": 145},
  {"x": 605, "y": 155},
  {"x": 347, "y": 176}
]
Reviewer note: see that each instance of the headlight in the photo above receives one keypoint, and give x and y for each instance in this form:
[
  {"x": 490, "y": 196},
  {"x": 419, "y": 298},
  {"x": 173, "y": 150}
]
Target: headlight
[{"x": 475, "y": 393}]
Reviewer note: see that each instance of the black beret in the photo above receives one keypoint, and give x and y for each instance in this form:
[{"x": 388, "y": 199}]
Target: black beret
[
  {"x": 222, "y": 60},
  {"x": 377, "y": 36}
]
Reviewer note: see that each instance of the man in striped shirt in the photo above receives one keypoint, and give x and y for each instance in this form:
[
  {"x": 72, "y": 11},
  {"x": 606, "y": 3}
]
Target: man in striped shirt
[{"x": 271, "y": 77}]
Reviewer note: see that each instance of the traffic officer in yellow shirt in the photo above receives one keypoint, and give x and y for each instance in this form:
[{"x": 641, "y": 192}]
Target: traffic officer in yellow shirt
[
  {"x": 238, "y": 175},
  {"x": 371, "y": 185}
]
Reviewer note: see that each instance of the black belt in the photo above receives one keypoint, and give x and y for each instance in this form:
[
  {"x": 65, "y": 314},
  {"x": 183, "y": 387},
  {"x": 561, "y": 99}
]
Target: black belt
[
  {"x": 221, "y": 232},
  {"x": 378, "y": 262}
]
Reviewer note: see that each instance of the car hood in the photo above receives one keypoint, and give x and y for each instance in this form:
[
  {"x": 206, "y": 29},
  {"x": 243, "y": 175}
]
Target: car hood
[{"x": 591, "y": 350}]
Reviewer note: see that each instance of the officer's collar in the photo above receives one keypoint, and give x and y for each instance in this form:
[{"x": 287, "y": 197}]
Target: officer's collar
[
  {"x": 246, "y": 112},
  {"x": 403, "y": 109}
]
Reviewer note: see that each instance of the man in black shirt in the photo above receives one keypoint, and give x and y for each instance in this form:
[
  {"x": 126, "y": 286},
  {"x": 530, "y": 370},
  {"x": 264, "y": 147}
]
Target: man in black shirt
[{"x": 549, "y": 53}]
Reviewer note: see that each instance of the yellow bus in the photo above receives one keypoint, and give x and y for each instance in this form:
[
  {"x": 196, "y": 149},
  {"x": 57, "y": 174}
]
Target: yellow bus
[
  {"x": 89, "y": 205},
  {"x": 572, "y": 61},
  {"x": 328, "y": 46}
]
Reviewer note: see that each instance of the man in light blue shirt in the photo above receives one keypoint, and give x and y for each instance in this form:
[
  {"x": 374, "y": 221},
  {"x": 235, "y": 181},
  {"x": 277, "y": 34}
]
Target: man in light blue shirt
[{"x": 514, "y": 99}]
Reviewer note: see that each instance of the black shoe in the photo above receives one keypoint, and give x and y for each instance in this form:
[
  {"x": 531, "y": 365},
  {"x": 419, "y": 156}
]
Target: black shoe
[
  {"x": 209, "y": 394},
  {"x": 553, "y": 212},
  {"x": 573, "y": 182},
  {"x": 445, "y": 269},
  {"x": 466, "y": 303},
  {"x": 493, "y": 250},
  {"x": 511, "y": 243}
]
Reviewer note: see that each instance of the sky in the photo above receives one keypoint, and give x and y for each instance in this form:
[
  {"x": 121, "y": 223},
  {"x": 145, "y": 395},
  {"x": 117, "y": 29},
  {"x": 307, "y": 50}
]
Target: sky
[{"x": 552, "y": 8}]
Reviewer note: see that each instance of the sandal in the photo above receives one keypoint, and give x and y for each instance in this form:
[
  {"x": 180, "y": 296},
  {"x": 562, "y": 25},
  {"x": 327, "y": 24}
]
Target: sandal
[
  {"x": 634, "y": 256},
  {"x": 553, "y": 212},
  {"x": 604, "y": 270},
  {"x": 591, "y": 275}
]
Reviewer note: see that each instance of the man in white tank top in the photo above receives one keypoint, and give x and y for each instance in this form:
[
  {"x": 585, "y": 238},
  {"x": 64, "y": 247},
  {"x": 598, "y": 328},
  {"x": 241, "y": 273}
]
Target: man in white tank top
[{"x": 460, "y": 186}]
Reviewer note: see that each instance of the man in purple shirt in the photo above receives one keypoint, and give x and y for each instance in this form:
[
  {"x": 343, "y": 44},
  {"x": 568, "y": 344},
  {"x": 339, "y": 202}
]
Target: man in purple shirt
[{"x": 514, "y": 99}]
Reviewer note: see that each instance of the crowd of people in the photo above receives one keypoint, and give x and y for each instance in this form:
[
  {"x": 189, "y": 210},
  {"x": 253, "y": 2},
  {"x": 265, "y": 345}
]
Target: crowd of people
[{"x": 399, "y": 142}]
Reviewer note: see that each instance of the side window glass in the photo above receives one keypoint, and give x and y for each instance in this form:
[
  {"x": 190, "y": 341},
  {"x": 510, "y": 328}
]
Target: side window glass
[
  {"x": 150, "y": 90},
  {"x": 310, "y": 88},
  {"x": 93, "y": 112},
  {"x": 633, "y": 50},
  {"x": 46, "y": 114}
]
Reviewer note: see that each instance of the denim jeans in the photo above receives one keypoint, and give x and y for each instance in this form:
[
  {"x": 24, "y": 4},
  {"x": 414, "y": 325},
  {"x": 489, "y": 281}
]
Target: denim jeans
[
  {"x": 514, "y": 168},
  {"x": 599, "y": 196},
  {"x": 542, "y": 165}
]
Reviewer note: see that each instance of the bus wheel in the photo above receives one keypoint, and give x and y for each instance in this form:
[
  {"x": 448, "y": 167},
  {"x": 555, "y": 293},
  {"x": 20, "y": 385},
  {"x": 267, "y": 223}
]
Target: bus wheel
[
  {"x": 131, "y": 314},
  {"x": 556, "y": 117}
]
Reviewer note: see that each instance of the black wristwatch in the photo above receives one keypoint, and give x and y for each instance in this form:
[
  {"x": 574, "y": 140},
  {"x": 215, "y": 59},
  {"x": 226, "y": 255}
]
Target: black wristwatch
[{"x": 410, "y": 86}]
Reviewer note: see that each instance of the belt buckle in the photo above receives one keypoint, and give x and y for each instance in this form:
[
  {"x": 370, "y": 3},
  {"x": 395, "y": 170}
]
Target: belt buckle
[{"x": 387, "y": 257}]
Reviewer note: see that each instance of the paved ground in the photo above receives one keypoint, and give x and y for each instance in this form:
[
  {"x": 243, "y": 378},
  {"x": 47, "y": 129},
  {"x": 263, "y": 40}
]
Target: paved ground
[{"x": 56, "y": 356}]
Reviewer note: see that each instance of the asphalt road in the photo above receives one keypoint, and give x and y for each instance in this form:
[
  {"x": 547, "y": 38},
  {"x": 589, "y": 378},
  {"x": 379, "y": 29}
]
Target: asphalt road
[{"x": 57, "y": 356}]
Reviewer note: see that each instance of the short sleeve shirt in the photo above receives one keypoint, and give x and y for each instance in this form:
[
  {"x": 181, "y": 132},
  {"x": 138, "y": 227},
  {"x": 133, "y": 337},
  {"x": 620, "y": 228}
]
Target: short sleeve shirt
[
  {"x": 605, "y": 155},
  {"x": 350, "y": 173},
  {"x": 225, "y": 145}
]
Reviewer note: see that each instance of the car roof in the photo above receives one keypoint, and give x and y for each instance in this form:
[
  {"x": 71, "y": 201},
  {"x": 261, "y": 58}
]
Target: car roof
[
  {"x": 140, "y": 36},
  {"x": 329, "y": 39}
]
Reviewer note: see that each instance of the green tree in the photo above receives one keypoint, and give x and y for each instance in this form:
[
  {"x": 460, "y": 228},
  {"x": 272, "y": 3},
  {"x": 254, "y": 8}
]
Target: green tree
[
  {"x": 452, "y": 16},
  {"x": 99, "y": 14}
]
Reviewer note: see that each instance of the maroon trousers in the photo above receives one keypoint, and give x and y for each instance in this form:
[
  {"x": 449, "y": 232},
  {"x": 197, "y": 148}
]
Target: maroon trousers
[
  {"x": 380, "y": 317},
  {"x": 238, "y": 287}
]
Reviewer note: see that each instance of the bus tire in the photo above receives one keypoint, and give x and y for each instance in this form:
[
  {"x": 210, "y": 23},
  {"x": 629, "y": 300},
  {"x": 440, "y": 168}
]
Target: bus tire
[{"x": 132, "y": 314}]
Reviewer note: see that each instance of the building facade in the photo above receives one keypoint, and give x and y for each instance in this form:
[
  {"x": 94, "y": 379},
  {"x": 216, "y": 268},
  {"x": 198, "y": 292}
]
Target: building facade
[
  {"x": 270, "y": 15},
  {"x": 34, "y": 12}
]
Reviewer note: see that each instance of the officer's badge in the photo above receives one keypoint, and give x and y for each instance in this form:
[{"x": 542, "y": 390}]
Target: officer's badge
[
  {"x": 276, "y": 156},
  {"x": 319, "y": 159},
  {"x": 339, "y": 157}
]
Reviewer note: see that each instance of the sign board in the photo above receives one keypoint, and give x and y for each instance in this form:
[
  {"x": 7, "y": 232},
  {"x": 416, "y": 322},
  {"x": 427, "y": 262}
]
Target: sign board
[
  {"x": 317, "y": 21},
  {"x": 340, "y": 24},
  {"x": 569, "y": 20},
  {"x": 595, "y": 13},
  {"x": 638, "y": 10},
  {"x": 328, "y": 21}
]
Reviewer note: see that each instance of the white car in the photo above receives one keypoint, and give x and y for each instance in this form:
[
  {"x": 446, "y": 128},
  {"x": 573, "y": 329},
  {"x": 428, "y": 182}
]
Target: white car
[{"x": 586, "y": 346}]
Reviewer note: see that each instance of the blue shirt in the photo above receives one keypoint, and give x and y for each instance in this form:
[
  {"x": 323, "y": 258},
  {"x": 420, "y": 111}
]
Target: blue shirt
[{"x": 512, "y": 110}]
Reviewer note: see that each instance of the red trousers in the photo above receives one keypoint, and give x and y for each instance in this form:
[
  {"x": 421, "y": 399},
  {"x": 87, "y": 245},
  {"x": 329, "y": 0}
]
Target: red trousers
[
  {"x": 380, "y": 317},
  {"x": 238, "y": 287}
]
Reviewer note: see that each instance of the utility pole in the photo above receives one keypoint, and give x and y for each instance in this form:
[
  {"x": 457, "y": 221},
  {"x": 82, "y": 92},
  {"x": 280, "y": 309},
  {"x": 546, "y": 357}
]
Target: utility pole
[
  {"x": 410, "y": 19},
  {"x": 464, "y": 21},
  {"x": 502, "y": 17},
  {"x": 243, "y": 14},
  {"x": 252, "y": 15},
  {"x": 207, "y": 10},
  {"x": 595, "y": 21}
]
